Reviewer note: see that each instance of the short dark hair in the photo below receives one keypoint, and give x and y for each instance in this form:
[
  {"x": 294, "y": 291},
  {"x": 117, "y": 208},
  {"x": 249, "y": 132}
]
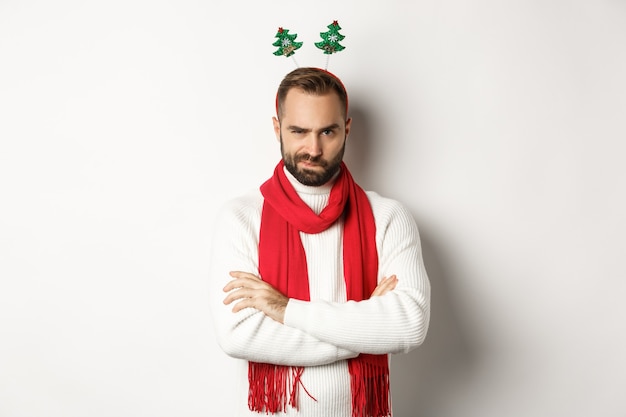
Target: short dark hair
[{"x": 312, "y": 81}]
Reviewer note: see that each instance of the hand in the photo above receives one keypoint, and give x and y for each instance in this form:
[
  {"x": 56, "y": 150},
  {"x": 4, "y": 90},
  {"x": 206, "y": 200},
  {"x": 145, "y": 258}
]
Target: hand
[
  {"x": 385, "y": 285},
  {"x": 253, "y": 292}
]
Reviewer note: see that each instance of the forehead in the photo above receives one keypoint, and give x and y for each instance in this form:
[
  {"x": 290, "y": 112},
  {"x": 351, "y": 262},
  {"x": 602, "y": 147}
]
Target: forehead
[{"x": 300, "y": 105}]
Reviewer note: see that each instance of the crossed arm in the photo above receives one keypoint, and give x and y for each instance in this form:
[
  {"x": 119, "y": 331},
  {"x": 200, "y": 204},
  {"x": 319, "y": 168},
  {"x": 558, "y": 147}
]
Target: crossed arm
[
  {"x": 248, "y": 290},
  {"x": 254, "y": 321}
]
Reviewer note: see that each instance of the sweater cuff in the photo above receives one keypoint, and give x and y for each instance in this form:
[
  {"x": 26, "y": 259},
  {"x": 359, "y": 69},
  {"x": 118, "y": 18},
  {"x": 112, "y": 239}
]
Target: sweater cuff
[{"x": 295, "y": 313}]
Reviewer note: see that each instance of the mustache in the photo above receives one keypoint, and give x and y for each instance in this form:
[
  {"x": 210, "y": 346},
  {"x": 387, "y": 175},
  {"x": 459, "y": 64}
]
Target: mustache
[{"x": 313, "y": 159}]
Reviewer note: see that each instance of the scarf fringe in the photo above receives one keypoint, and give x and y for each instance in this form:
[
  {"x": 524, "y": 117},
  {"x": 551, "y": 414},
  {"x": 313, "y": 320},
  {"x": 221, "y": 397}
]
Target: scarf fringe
[
  {"x": 268, "y": 387},
  {"x": 369, "y": 382}
]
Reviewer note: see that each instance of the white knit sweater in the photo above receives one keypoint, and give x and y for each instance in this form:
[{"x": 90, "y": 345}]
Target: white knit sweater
[{"x": 322, "y": 333}]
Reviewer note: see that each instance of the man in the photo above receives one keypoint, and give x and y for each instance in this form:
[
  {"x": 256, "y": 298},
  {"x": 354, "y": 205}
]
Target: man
[{"x": 313, "y": 280}]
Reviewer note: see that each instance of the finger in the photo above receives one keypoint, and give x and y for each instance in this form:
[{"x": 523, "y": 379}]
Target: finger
[
  {"x": 386, "y": 281},
  {"x": 242, "y": 274},
  {"x": 379, "y": 288},
  {"x": 234, "y": 284},
  {"x": 386, "y": 284},
  {"x": 239, "y": 294},
  {"x": 245, "y": 299},
  {"x": 249, "y": 281},
  {"x": 245, "y": 303},
  {"x": 393, "y": 281}
]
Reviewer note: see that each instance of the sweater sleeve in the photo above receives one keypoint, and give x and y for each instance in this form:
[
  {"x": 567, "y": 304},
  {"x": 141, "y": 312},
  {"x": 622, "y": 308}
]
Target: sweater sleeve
[
  {"x": 393, "y": 323},
  {"x": 250, "y": 334}
]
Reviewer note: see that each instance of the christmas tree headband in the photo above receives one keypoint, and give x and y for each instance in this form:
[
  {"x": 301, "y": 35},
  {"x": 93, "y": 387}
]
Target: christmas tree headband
[
  {"x": 287, "y": 44},
  {"x": 287, "y": 47}
]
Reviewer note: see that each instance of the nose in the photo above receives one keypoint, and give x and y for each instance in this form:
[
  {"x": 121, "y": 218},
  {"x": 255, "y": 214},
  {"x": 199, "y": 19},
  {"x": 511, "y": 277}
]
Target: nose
[{"x": 314, "y": 146}]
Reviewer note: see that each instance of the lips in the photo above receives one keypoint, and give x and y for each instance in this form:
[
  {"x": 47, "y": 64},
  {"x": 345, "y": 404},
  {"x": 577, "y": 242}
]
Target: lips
[{"x": 309, "y": 164}]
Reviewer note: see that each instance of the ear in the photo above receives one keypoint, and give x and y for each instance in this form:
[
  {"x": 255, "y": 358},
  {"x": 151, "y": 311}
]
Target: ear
[
  {"x": 348, "y": 125},
  {"x": 276, "y": 128}
]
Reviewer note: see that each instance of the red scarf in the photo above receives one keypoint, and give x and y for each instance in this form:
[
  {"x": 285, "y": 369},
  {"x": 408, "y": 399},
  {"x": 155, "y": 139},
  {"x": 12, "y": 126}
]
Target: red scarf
[{"x": 282, "y": 263}]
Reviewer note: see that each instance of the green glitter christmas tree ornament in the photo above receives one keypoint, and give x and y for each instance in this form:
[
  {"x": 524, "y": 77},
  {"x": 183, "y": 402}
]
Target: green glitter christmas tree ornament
[
  {"x": 330, "y": 40},
  {"x": 286, "y": 43}
]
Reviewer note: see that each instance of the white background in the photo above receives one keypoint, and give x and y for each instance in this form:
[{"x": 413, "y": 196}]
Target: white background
[{"x": 125, "y": 124}]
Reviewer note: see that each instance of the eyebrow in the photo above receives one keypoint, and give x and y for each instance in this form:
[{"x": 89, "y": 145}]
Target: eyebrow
[{"x": 334, "y": 126}]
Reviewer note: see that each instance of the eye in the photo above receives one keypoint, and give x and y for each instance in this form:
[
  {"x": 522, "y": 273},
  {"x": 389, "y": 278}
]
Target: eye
[
  {"x": 327, "y": 132},
  {"x": 297, "y": 131}
]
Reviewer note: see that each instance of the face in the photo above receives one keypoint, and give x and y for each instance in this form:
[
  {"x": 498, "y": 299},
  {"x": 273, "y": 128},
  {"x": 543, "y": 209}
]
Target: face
[{"x": 312, "y": 132}]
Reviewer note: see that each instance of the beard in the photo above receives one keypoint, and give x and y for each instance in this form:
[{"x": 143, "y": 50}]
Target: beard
[{"x": 313, "y": 178}]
